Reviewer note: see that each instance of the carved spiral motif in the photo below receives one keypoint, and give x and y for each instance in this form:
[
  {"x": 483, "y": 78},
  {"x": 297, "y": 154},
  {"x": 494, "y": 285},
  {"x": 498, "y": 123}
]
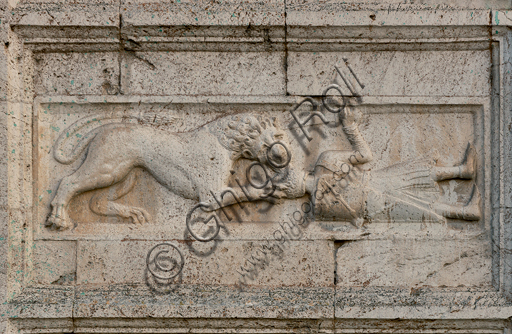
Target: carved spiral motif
[{"x": 165, "y": 261}]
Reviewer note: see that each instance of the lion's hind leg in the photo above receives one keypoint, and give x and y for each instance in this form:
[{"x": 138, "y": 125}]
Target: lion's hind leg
[
  {"x": 109, "y": 160},
  {"x": 103, "y": 203}
]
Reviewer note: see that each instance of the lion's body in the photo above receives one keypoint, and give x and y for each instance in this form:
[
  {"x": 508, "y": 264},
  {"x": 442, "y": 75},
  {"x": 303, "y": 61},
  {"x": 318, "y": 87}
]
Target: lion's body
[{"x": 189, "y": 164}]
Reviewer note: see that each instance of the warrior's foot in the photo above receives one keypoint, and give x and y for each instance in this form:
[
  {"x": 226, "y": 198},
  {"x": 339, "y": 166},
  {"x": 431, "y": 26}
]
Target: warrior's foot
[
  {"x": 59, "y": 218},
  {"x": 472, "y": 210},
  {"x": 468, "y": 166}
]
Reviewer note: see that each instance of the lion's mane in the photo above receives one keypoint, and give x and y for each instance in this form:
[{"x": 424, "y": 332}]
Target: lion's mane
[{"x": 243, "y": 132}]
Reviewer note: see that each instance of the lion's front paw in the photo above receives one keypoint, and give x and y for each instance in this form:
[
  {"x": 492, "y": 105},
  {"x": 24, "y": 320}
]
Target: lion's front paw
[{"x": 59, "y": 220}]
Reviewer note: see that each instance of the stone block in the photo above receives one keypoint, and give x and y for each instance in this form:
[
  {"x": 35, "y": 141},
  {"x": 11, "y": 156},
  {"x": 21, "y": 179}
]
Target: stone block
[
  {"x": 413, "y": 264},
  {"x": 205, "y": 73},
  {"x": 94, "y": 73},
  {"x": 504, "y": 158},
  {"x": 397, "y": 5},
  {"x": 203, "y": 13},
  {"x": 413, "y": 73},
  {"x": 54, "y": 263},
  {"x": 58, "y": 13},
  {"x": 218, "y": 263}
]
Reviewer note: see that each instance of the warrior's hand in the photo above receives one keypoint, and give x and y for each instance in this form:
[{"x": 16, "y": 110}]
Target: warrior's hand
[
  {"x": 349, "y": 116},
  {"x": 350, "y": 119}
]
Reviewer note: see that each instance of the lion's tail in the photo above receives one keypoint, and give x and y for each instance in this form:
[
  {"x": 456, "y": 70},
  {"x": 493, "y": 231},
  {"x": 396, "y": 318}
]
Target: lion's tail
[{"x": 67, "y": 156}]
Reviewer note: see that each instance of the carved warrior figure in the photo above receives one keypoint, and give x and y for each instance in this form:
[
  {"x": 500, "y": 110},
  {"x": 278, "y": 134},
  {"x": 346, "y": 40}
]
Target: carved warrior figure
[
  {"x": 193, "y": 164},
  {"x": 341, "y": 191}
]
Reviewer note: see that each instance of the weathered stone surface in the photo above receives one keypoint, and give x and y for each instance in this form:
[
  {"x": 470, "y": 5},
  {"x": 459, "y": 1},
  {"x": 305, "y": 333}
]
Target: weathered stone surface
[
  {"x": 3, "y": 73},
  {"x": 300, "y": 263},
  {"x": 182, "y": 73},
  {"x": 198, "y": 302},
  {"x": 3, "y": 269},
  {"x": 411, "y": 264},
  {"x": 58, "y": 74},
  {"x": 203, "y": 13},
  {"x": 3, "y": 151},
  {"x": 413, "y": 73},
  {"x": 54, "y": 263}
]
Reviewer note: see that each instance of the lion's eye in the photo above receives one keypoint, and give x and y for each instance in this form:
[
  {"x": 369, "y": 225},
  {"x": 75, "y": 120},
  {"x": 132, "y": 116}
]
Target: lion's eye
[{"x": 279, "y": 136}]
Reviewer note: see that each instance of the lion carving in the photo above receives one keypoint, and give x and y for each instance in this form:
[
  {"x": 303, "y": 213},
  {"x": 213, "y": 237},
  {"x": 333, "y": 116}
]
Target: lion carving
[{"x": 190, "y": 164}]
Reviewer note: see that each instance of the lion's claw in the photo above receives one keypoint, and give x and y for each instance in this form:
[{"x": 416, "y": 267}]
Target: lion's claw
[
  {"x": 58, "y": 222},
  {"x": 138, "y": 216}
]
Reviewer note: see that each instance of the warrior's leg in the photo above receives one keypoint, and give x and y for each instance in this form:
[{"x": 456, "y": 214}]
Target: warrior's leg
[
  {"x": 103, "y": 203},
  {"x": 466, "y": 170},
  {"x": 385, "y": 207},
  {"x": 470, "y": 211}
]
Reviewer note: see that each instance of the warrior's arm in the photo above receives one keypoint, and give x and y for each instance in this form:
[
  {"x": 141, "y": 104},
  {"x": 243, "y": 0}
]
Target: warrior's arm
[{"x": 362, "y": 152}]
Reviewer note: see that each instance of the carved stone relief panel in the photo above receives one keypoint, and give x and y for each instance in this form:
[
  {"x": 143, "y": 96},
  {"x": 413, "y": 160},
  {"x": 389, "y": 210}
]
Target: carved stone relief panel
[
  {"x": 65, "y": 131},
  {"x": 383, "y": 166}
]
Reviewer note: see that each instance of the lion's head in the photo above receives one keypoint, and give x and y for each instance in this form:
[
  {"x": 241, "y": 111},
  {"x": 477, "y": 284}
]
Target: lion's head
[{"x": 250, "y": 137}]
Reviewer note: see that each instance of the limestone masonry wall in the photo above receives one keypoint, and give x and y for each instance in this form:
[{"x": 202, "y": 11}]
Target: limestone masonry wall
[{"x": 280, "y": 166}]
